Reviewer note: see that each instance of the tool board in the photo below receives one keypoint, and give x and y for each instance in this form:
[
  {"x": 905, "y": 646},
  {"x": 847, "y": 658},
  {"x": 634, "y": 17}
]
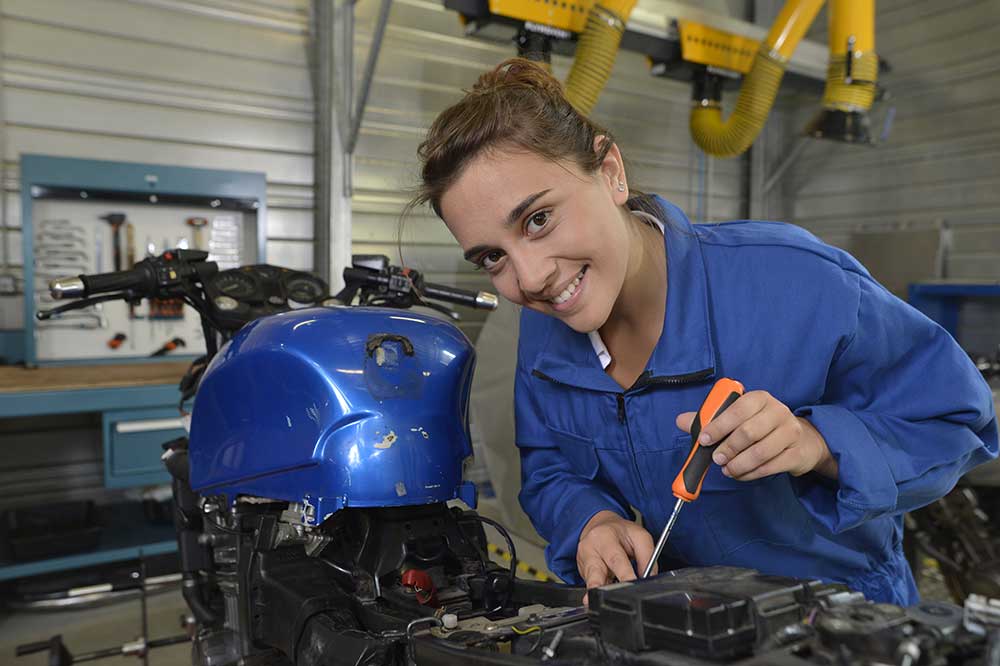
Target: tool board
[{"x": 81, "y": 229}]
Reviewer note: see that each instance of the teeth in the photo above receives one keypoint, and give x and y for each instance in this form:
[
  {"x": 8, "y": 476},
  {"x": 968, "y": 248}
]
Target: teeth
[{"x": 568, "y": 291}]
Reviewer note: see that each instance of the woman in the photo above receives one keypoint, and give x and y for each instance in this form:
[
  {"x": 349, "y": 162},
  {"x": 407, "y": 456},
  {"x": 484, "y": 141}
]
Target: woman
[{"x": 858, "y": 407}]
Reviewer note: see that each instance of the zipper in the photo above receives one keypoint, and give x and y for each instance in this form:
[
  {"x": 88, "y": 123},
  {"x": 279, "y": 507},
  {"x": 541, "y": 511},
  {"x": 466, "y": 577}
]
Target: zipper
[
  {"x": 647, "y": 379},
  {"x": 623, "y": 419}
]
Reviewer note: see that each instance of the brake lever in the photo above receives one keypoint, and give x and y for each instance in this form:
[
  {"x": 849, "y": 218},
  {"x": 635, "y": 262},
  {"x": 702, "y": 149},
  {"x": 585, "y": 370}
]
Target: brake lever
[
  {"x": 43, "y": 315},
  {"x": 440, "y": 308}
]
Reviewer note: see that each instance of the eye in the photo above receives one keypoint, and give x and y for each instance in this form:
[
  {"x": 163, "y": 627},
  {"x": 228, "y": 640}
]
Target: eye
[
  {"x": 491, "y": 259},
  {"x": 537, "y": 222}
]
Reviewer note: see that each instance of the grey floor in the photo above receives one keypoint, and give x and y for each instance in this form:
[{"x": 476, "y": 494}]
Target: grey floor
[{"x": 104, "y": 627}]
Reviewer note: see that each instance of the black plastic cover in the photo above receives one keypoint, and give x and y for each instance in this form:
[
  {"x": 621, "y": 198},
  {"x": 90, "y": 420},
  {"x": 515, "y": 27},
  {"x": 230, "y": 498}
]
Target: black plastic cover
[{"x": 717, "y": 612}]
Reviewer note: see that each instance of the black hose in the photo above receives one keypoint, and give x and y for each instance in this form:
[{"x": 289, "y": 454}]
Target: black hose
[
  {"x": 513, "y": 553},
  {"x": 191, "y": 591}
]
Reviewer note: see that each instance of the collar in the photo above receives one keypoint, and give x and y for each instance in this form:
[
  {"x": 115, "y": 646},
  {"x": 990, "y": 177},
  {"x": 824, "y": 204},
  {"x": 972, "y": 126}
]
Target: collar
[{"x": 686, "y": 346}]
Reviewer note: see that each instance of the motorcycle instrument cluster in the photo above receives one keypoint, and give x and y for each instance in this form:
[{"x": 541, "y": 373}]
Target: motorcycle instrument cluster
[{"x": 240, "y": 295}]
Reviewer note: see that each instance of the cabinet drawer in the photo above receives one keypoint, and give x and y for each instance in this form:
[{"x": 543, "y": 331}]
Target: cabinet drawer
[{"x": 133, "y": 445}]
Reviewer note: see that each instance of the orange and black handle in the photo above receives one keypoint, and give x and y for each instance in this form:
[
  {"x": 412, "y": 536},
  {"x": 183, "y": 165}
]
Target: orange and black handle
[{"x": 687, "y": 485}]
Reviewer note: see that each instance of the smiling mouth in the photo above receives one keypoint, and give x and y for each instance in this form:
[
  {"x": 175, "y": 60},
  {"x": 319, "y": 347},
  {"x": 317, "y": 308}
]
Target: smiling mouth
[{"x": 570, "y": 291}]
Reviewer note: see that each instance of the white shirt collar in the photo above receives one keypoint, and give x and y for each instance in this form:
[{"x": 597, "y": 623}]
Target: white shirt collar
[{"x": 603, "y": 355}]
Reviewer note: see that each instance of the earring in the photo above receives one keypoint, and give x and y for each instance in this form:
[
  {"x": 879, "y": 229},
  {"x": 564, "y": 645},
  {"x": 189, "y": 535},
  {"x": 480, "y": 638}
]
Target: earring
[{"x": 621, "y": 186}]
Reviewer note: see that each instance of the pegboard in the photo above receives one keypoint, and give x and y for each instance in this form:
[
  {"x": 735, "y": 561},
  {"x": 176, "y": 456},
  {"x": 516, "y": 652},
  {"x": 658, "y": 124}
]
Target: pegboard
[{"x": 82, "y": 226}]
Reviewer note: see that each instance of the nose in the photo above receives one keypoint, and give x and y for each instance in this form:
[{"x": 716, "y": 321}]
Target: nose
[{"x": 535, "y": 274}]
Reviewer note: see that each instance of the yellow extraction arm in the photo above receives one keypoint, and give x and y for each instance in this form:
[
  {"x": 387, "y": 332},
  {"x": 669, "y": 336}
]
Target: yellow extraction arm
[
  {"x": 708, "y": 50},
  {"x": 850, "y": 86}
]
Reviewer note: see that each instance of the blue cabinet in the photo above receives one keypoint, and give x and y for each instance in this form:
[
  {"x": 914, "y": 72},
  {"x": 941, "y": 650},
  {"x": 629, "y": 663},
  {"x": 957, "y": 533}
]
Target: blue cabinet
[
  {"x": 138, "y": 408},
  {"x": 133, "y": 440}
]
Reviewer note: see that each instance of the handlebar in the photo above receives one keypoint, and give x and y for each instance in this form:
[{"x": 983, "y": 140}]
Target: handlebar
[
  {"x": 406, "y": 282},
  {"x": 177, "y": 272}
]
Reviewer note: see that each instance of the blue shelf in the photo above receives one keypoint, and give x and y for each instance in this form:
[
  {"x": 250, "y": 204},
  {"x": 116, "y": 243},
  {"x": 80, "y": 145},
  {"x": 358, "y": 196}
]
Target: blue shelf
[
  {"x": 941, "y": 301},
  {"x": 102, "y": 556},
  {"x": 72, "y": 401}
]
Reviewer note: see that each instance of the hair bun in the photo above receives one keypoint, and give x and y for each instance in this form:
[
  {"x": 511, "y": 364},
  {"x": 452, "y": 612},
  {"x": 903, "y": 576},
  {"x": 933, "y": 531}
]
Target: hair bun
[{"x": 518, "y": 73}]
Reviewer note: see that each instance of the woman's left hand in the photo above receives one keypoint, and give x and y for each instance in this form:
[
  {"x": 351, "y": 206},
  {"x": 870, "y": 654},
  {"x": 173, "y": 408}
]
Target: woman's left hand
[{"x": 764, "y": 438}]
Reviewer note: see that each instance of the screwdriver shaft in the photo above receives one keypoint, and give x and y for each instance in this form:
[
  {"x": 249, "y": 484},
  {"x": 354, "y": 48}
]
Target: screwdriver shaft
[{"x": 663, "y": 537}]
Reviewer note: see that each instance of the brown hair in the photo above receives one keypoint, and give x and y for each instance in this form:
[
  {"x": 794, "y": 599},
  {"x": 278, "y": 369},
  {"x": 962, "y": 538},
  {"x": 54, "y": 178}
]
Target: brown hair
[{"x": 518, "y": 104}]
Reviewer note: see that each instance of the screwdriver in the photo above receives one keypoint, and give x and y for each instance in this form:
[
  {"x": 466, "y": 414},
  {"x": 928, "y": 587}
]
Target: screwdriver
[{"x": 687, "y": 485}]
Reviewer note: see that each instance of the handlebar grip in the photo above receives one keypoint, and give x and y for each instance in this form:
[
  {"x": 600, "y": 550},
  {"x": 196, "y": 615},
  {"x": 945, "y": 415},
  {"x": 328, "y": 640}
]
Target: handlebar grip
[
  {"x": 140, "y": 278},
  {"x": 364, "y": 276},
  {"x": 482, "y": 299}
]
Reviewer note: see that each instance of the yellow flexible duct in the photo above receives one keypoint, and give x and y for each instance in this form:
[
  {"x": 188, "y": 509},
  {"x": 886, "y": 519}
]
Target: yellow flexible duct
[
  {"x": 596, "y": 52},
  {"x": 733, "y": 136},
  {"x": 852, "y": 28}
]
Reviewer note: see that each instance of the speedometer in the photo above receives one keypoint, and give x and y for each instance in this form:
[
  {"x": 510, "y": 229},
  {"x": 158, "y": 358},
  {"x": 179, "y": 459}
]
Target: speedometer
[
  {"x": 235, "y": 284},
  {"x": 304, "y": 288}
]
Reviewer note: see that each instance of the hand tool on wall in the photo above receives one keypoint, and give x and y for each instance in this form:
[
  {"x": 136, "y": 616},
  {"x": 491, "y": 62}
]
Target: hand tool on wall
[
  {"x": 51, "y": 226},
  {"x": 169, "y": 346},
  {"x": 197, "y": 223},
  {"x": 75, "y": 320},
  {"x": 687, "y": 484},
  {"x": 55, "y": 237},
  {"x": 47, "y": 252},
  {"x": 116, "y": 220},
  {"x": 98, "y": 251},
  {"x": 116, "y": 342}
]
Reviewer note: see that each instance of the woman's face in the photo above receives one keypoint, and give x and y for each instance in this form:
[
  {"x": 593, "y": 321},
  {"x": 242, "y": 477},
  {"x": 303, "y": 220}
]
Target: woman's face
[{"x": 551, "y": 237}]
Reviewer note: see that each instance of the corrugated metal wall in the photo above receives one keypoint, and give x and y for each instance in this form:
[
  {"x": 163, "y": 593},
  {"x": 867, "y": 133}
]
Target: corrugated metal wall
[
  {"x": 939, "y": 165},
  {"x": 225, "y": 84}
]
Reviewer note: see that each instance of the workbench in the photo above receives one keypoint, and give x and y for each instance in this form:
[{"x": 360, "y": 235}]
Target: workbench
[{"x": 138, "y": 407}]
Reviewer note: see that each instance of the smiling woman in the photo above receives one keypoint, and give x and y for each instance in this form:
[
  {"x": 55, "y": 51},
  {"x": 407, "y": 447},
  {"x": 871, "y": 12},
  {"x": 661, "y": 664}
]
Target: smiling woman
[{"x": 630, "y": 312}]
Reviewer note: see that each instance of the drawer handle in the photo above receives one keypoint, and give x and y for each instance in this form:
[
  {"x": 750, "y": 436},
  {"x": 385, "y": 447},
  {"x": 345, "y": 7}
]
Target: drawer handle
[{"x": 149, "y": 425}]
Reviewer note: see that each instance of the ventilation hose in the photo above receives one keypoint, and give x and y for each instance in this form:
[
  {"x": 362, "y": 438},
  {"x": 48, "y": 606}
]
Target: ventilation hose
[
  {"x": 596, "y": 52},
  {"x": 759, "y": 89},
  {"x": 852, "y": 35}
]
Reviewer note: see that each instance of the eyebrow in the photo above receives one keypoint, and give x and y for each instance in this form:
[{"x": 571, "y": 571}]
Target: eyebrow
[{"x": 512, "y": 217}]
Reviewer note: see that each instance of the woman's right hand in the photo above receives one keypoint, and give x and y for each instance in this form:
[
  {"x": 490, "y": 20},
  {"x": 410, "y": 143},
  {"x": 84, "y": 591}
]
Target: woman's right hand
[{"x": 608, "y": 545}]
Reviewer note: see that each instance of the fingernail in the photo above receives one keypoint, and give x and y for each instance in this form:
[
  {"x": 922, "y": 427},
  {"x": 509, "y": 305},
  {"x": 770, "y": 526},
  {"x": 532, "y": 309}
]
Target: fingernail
[
  {"x": 719, "y": 458},
  {"x": 704, "y": 438},
  {"x": 725, "y": 470}
]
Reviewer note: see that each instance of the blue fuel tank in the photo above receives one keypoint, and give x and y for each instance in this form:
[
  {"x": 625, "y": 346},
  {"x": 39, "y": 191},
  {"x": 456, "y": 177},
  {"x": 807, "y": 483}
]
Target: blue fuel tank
[{"x": 336, "y": 407}]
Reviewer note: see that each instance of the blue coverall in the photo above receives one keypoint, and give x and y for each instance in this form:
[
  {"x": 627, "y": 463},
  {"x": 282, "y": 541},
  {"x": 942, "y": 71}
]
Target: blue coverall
[{"x": 901, "y": 406}]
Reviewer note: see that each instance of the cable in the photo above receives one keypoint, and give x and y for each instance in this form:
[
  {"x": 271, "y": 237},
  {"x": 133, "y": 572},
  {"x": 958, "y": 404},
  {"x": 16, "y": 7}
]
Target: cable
[
  {"x": 513, "y": 553},
  {"x": 221, "y": 527},
  {"x": 538, "y": 641},
  {"x": 525, "y": 632}
]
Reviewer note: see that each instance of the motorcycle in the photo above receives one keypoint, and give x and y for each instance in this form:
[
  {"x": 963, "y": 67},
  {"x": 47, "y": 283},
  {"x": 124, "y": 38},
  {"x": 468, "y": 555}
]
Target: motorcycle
[{"x": 314, "y": 504}]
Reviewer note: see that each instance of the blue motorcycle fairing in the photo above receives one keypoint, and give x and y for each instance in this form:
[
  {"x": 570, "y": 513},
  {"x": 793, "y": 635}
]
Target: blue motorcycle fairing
[{"x": 336, "y": 407}]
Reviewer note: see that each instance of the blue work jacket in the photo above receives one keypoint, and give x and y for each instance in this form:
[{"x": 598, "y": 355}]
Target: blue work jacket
[{"x": 901, "y": 406}]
